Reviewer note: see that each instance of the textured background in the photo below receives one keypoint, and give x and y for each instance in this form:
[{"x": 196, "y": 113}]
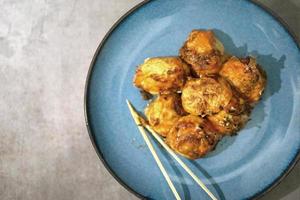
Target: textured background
[{"x": 45, "y": 51}]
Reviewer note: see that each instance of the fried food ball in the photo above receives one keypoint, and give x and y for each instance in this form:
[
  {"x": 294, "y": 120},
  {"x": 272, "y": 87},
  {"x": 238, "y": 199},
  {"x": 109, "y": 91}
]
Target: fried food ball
[
  {"x": 161, "y": 75},
  {"x": 203, "y": 51},
  {"x": 206, "y": 95},
  {"x": 232, "y": 118},
  {"x": 246, "y": 76},
  {"x": 191, "y": 137},
  {"x": 164, "y": 112}
]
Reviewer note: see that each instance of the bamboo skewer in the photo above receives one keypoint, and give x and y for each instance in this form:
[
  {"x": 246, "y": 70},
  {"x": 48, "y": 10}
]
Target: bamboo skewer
[{"x": 136, "y": 118}]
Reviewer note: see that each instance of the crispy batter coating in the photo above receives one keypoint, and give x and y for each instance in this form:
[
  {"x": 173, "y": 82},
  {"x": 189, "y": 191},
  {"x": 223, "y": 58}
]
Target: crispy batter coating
[
  {"x": 164, "y": 112},
  {"x": 202, "y": 95},
  {"x": 191, "y": 137},
  {"x": 246, "y": 76},
  {"x": 233, "y": 117},
  {"x": 203, "y": 51},
  {"x": 206, "y": 95},
  {"x": 161, "y": 75}
]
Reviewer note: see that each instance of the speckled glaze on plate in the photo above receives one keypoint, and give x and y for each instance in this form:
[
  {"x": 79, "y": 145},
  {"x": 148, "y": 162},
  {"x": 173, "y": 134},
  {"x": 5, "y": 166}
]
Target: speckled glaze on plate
[{"x": 241, "y": 167}]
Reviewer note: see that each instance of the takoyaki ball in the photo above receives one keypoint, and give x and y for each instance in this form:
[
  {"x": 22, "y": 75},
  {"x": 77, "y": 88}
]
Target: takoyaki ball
[
  {"x": 246, "y": 76},
  {"x": 161, "y": 75},
  {"x": 206, "y": 95},
  {"x": 189, "y": 137},
  {"x": 232, "y": 118},
  {"x": 228, "y": 124},
  {"x": 203, "y": 51},
  {"x": 163, "y": 112}
]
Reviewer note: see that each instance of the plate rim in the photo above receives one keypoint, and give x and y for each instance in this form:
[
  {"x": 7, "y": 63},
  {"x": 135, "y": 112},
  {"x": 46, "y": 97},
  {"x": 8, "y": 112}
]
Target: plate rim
[{"x": 259, "y": 194}]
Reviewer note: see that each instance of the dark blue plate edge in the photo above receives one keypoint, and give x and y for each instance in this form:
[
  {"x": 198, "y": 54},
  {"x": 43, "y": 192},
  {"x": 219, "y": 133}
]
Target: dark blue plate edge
[
  {"x": 91, "y": 134},
  {"x": 259, "y": 194}
]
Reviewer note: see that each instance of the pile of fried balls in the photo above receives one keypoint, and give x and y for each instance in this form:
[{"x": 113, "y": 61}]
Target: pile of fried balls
[{"x": 201, "y": 95}]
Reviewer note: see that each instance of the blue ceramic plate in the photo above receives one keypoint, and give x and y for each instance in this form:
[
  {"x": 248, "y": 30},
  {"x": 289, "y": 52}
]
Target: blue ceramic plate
[{"x": 244, "y": 166}]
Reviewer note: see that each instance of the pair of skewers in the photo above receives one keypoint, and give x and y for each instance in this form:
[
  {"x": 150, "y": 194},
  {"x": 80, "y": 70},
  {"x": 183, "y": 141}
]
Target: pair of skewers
[{"x": 141, "y": 126}]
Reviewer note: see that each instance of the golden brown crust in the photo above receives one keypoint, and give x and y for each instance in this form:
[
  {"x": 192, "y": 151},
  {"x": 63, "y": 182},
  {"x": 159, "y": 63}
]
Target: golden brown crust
[
  {"x": 226, "y": 123},
  {"x": 161, "y": 75},
  {"x": 163, "y": 113},
  {"x": 203, "y": 95},
  {"x": 203, "y": 52},
  {"x": 190, "y": 138},
  {"x": 233, "y": 117},
  {"x": 206, "y": 95},
  {"x": 245, "y": 76},
  {"x": 237, "y": 104}
]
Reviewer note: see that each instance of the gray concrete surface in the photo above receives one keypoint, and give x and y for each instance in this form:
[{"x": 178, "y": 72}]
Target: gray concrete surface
[{"x": 45, "y": 51}]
